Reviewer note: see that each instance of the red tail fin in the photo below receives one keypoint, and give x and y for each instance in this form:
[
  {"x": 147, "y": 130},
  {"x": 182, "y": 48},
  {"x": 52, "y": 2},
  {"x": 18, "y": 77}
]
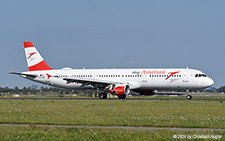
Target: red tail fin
[{"x": 35, "y": 61}]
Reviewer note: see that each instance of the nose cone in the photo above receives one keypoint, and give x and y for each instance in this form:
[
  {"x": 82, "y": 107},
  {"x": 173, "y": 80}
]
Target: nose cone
[{"x": 210, "y": 82}]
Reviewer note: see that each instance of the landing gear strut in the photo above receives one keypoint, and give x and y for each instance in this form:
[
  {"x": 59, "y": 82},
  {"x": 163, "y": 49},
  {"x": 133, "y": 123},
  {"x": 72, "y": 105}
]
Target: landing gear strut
[
  {"x": 102, "y": 95},
  {"x": 189, "y": 97}
]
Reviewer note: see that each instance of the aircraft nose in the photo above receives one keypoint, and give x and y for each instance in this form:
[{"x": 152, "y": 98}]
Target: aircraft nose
[{"x": 210, "y": 82}]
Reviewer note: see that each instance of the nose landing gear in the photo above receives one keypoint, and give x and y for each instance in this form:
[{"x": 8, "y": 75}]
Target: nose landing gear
[{"x": 189, "y": 97}]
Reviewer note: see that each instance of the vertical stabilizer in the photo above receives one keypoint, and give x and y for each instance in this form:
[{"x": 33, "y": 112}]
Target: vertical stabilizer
[{"x": 34, "y": 60}]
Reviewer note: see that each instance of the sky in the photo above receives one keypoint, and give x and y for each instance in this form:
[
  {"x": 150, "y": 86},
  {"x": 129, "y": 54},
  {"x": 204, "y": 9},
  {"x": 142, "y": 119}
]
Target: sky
[{"x": 113, "y": 34}]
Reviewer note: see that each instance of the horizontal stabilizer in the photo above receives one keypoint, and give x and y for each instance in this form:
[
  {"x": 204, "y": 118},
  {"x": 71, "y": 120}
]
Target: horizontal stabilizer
[{"x": 29, "y": 76}]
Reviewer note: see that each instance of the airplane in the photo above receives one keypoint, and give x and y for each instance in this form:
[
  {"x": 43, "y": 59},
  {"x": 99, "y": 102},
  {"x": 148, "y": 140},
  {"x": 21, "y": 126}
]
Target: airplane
[{"x": 118, "y": 82}]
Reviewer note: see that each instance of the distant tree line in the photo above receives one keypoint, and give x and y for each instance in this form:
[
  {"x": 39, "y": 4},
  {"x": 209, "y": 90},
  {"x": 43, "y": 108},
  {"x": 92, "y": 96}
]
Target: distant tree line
[
  {"x": 45, "y": 91},
  {"x": 221, "y": 89}
]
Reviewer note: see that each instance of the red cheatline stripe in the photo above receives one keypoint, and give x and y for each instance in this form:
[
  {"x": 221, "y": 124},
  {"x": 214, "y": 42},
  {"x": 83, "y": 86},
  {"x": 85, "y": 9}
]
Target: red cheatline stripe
[
  {"x": 40, "y": 66},
  {"x": 28, "y": 44}
]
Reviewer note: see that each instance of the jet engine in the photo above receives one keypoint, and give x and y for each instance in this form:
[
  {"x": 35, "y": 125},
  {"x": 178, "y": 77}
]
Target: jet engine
[{"x": 120, "y": 89}]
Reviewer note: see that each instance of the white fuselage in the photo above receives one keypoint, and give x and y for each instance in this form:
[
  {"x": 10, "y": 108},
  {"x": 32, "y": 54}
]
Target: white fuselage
[{"x": 137, "y": 79}]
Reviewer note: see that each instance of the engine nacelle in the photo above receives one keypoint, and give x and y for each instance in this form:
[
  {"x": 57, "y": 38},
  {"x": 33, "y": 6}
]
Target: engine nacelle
[{"x": 120, "y": 89}]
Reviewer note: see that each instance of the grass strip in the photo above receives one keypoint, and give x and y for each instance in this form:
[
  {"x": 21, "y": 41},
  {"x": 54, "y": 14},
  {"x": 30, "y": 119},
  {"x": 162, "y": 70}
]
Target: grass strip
[
  {"x": 83, "y": 134},
  {"x": 183, "y": 114}
]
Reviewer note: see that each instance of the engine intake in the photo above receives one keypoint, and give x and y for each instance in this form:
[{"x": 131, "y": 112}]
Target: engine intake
[{"x": 120, "y": 89}]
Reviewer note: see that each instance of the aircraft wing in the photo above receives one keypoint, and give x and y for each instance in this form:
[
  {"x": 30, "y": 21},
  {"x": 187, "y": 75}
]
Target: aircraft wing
[
  {"x": 102, "y": 84},
  {"x": 29, "y": 76},
  {"x": 93, "y": 82}
]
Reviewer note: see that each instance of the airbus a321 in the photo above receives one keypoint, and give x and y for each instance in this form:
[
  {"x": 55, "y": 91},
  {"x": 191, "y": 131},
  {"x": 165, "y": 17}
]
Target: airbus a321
[{"x": 118, "y": 82}]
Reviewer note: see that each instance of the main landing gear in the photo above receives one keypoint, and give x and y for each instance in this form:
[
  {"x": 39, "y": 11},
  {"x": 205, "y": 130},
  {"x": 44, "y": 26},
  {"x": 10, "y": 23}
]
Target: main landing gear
[
  {"x": 121, "y": 96},
  {"x": 104, "y": 96}
]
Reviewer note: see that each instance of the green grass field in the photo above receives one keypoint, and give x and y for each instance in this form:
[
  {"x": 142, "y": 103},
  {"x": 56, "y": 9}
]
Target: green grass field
[
  {"x": 207, "y": 114},
  {"x": 50, "y": 133},
  {"x": 187, "y": 114}
]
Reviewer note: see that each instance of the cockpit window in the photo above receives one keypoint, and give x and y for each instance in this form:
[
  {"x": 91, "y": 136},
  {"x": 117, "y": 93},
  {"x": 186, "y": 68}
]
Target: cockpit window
[{"x": 200, "y": 75}]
